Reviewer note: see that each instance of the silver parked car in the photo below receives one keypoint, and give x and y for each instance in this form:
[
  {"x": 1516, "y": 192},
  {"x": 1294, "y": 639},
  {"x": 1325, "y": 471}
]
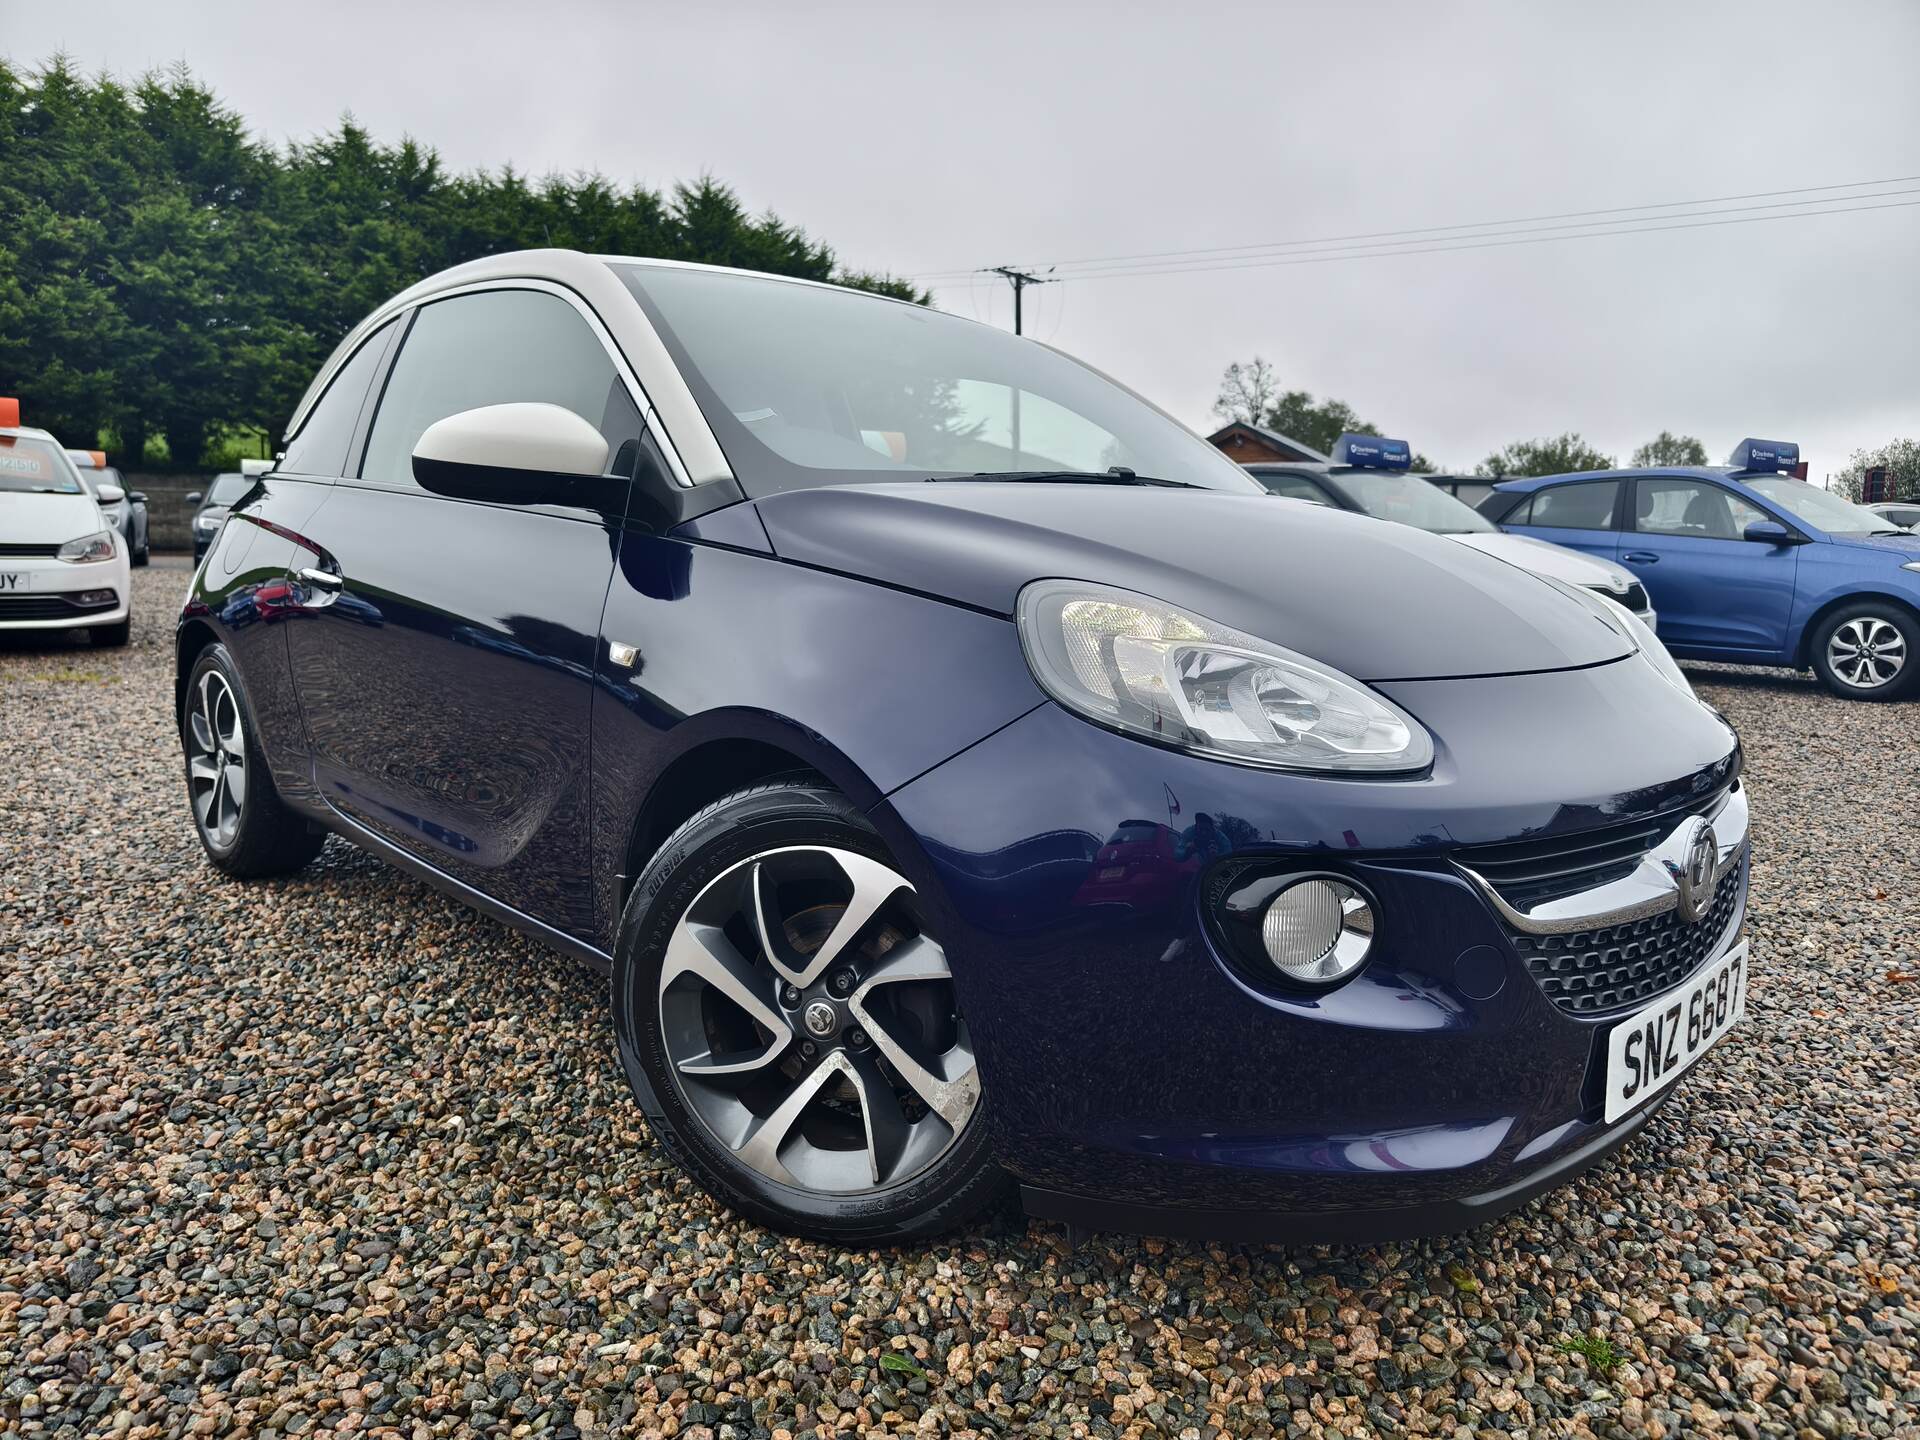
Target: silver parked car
[
  {"x": 1370, "y": 475},
  {"x": 1904, "y": 513},
  {"x": 125, "y": 509}
]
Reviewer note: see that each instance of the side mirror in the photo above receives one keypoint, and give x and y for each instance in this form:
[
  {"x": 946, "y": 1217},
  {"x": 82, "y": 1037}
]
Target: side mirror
[
  {"x": 109, "y": 494},
  {"x": 1772, "y": 532},
  {"x": 138, "y": 497},
  {"x": 194, "y": 497},
  {"x": 525, "y": 453}
]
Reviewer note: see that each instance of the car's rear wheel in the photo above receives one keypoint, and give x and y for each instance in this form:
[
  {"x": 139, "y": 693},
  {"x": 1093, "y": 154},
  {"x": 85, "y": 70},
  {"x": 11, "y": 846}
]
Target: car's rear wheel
[
  {"x": 243, "y": 824},
  {"x": 1869, "y": 651},
  {"x": 790, "y": 1025}
]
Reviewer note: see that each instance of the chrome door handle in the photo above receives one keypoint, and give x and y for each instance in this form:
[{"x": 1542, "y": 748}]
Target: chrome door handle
[
  {"x": 322, "y": 579},
  {"x": 1641, "y": 557}
]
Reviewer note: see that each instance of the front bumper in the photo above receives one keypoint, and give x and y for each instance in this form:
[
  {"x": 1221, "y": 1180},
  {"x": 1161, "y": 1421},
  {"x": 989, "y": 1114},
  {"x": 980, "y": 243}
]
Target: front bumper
[
  {"x": 47, "y": 594},
  {"x": 1136, "y": 1078}
]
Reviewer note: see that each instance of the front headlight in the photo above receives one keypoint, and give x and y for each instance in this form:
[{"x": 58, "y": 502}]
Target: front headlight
[
  {"x": 88, "y": 549},
  {"x": 1144, "y": 667},
  {"x": 206, "y": 522},
  {"x": 1911, "y": 565}
]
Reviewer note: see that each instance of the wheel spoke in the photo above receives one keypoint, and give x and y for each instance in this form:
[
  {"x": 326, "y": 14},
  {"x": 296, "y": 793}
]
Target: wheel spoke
[
  {"x": 236, "y": 783},
  {"x": 203, "y": 803},
  {"x": 202, "y": 769},
  {"x": 887, "y": 1126},
  {"x": 952, "y": 1099},
  {"x": 873, "y": 885},
  {"x": 705, "y": 951},
  {"x": 231, "y": 737},
  {"x": 761, "y": 1147}
]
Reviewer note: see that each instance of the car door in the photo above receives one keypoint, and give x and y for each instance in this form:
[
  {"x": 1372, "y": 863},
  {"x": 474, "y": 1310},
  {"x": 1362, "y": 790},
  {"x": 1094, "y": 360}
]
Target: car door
[
  {"x": 445, "y": 649},
  {"x": 1583, "y": 515},
  {"x": 1715, "y": 591}
]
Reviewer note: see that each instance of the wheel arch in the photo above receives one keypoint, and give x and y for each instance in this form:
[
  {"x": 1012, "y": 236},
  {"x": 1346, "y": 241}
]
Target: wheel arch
[
  {"x": 1803, "y": 646},
  {"x": 722, "y": 753},
  {"x": 193, "y": 637}
]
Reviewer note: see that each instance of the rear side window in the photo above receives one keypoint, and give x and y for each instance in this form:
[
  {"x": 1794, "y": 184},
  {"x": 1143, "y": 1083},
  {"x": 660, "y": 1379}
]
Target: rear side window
[
  {"x": 495, "y": 348},
  {"x": 321, "y": 446},
  {"x": 1588, "y": 506}
]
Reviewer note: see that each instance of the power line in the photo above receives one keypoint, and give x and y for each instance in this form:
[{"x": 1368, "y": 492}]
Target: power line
[
  {"x": 1438, "y": 230},
  {"x": 1389, "y": 247},
  {"x": 1257, "y": 262}
]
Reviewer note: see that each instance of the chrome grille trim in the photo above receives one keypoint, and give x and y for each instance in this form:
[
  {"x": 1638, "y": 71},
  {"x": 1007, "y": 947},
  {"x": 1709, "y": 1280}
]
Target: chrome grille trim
[{"x": 1651, "y": 889}]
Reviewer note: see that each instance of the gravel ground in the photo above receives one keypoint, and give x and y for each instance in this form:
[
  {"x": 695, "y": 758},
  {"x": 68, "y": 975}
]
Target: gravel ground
[{"x": 336, "y": 1154}]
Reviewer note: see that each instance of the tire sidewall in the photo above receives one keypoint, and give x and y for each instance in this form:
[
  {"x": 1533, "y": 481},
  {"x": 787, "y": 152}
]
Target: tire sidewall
[
  {"x": 216, "y": 657},
  {"x": 962, "y": 1180},
  {"x": 1902, "y": 684}
]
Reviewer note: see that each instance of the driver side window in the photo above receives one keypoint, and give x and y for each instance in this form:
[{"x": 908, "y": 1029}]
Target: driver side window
[
  {"x": 496, "y": 347},
  {"x": 1695, "y": 508}
]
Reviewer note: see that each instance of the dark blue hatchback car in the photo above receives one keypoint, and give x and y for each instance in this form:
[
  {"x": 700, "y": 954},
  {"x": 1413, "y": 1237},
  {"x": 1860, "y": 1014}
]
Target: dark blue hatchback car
[
  {"x": 1746, "y": 563},
  {"x": 966, "y": 776}
]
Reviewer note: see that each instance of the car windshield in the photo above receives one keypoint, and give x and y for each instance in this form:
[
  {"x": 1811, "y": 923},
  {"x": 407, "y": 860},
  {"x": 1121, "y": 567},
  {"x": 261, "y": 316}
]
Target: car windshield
[
  {"x": 1411, "y": 500},
  {"x": 36, "y": 467},
  {"x": 228, "y": 488},
  {"x": 1821, "y": 509},
  {"x": 807, "y": 385}
]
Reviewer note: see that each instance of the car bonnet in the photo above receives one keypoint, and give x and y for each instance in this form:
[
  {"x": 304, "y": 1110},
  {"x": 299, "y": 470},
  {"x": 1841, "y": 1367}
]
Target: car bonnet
[{"x": 1378, "y": 600}]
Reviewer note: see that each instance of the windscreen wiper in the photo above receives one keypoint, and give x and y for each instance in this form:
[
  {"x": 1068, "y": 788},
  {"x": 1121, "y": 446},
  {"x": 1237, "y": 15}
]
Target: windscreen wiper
[{"x": 1118, "y": 475}]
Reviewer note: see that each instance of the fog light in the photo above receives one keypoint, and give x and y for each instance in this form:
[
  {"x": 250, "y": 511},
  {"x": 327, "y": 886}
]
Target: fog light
[
  {"x": 96, "y": 597},
  {"x": 1317, "y": 931}
]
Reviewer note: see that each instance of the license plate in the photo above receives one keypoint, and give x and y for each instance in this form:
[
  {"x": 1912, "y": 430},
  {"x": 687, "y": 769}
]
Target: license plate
[
  {"x": 1113, "y": 872},
  {"x": 12, "y": 582},
  {"x": 1653, "y": 1049}
]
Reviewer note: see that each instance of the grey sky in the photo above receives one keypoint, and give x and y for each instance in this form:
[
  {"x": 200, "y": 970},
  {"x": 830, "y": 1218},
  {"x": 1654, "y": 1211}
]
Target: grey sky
[{"x": 923, "y": 139}]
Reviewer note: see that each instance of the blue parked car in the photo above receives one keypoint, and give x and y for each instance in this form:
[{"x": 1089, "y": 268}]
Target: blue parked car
[
  {"x": 1746, "y": 563},
  {"x": 966, "y": 776}
]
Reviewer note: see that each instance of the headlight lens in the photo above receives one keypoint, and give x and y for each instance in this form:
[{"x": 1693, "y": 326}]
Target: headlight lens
[
  {"x": 206, "y": 522},
  {"x": 1911, "y": 565},
  {"x": 88, "y": 548},
  {"x": 1144, "y": 667}
]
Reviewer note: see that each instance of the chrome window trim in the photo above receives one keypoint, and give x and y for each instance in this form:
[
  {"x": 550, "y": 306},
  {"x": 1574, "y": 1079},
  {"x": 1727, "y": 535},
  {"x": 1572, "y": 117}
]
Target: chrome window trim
[
  {"x": 665, "y": 402},
  {"x": 1652, "y": 889}
]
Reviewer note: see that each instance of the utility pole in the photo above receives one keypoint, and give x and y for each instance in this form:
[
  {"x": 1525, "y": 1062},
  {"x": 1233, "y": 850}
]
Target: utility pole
[{"x": 1019, "y": 279}]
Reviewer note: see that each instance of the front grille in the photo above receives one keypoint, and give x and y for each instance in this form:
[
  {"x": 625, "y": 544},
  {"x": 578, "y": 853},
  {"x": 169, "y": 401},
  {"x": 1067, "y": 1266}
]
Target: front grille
[
  {"x": 11, "y": 547},
  {"x": 1590, "y": 972},
  {"x": 1636, "y": 598},
  {"x": 1531, "y": 872},
  {"x": 44, "y": 607}
]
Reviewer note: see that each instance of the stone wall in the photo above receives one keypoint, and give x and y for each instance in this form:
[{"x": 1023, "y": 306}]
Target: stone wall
[{"x": 169, "y": 516}]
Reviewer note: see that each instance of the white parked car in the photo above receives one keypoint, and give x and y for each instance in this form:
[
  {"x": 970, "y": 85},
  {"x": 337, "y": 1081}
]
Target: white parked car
[
  {"x": 1370, "y": 475},
  {"x": 63, "y": 565}
]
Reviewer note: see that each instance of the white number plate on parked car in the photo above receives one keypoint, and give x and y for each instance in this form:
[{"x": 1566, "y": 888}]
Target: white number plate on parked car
[
  {"x": 1648, "y": 1052},
  {"x": 12, "y": 582}
]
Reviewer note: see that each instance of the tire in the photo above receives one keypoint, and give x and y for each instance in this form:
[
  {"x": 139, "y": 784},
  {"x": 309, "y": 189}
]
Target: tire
[
  {"x": 873, "y": 1159},
  {"x": 111, "y": 637},
  {"x": 1868, "y": 651},
  {"x": 142, "y": 556},
  {"x": 257, "y": 835}
]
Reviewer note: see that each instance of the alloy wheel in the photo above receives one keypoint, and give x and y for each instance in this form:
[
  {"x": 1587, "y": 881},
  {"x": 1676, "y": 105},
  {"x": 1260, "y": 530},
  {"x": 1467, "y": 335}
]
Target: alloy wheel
[
  {"x": 216, "y": 758},
  {"x": 811, "y": 1025},
  {"x": 1866, "y": 652}
]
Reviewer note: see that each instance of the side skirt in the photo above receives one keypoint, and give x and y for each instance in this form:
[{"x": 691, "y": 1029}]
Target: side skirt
[{"x": 354, "y": 832}]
